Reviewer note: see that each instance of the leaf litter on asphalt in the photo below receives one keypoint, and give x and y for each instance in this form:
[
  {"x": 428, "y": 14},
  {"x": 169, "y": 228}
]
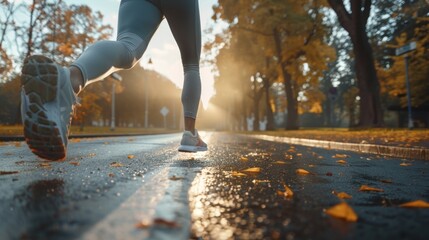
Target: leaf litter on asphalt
[
  {"x": 116, "y": 164},
  {"x": 415, "y": 204},
  {"x": 302, "y": 171},
  {"x": 252, "y": 170},
  {"x": 287, "y": 193},
  {"x": 342, "y": 211},
  {"x": 366, "y": 188}
]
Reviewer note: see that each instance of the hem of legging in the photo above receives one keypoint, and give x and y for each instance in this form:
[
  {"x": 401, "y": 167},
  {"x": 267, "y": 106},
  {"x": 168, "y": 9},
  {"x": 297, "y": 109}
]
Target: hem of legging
[
  {"x": 82, "y": 70},
  {"x": 190, "y": 115}
]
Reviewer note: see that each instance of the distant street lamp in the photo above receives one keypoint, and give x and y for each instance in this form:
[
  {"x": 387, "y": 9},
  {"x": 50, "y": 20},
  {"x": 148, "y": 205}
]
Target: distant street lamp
[
  {"x": 146, "y": 102},
  {"x": 400, "y": 51},
  {"x": 118, "y": 78}
]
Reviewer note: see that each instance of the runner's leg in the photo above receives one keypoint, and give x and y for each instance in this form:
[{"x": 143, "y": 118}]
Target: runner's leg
[
  {"x": 184, "y": 20},
  {"x": 138, "y": 21}
]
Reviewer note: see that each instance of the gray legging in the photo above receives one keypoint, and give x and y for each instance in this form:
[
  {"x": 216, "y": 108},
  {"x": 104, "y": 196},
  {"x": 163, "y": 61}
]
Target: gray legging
[{"x": 138, "y": 21}]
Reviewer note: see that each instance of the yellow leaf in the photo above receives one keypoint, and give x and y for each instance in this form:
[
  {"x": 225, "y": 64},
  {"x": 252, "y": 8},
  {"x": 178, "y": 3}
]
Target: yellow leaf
[
  {"x": 130, "y": 156},
  {"x": 302, "y": 171},
  {"x": 253, "y": 170},
  {"x": 340, "y": 156},
  {"x": 416, "y": 204},
  {"x": 238, "y": 174},
  {"x": 279, "y": 162},
  {"x": 343, "y": 195},
  {"x": 343, "y": 211},
  {"x": 116, "y": 164},
  {"x": 341, "y": 162},
  {"x": 299, "y": 154},
  {"x": 370, "y": 189},
  {"x": 405, "y": 164},
  {"x": 45, "y": 165},
  {"x": 244, "y": 158}
]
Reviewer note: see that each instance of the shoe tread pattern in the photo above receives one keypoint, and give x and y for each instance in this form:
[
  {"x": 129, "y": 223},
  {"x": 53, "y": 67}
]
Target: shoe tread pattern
[{"x": 39, "y": 80}]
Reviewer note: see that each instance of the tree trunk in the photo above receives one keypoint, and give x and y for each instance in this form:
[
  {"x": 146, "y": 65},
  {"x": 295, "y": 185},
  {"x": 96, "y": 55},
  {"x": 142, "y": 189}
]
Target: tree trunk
[
  {"x": 370, "y": 114},
  {"x": 269, "y": 112},
  {"x": 292, "y": 108}
]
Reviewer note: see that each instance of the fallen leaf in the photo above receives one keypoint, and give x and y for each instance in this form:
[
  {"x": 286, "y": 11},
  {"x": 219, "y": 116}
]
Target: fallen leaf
[
  {"x": 386, "y": 181},
  {"x": 340, "y": 156},
  {"x": 111, "y": 175},
  {"x": 75, "y": 163},
  {"x": 244, "y": 158},
  {"x": 255, "y": 181},
  {"x": 343, "y": 211},
  {"x": 8, "y": 172},
  {"x": 91, "y": 155},
  {"x": 416, "y": 204},
  {"x": 311, "y": 165},
  {"x": 288, "y": 193},
  {"x": 299, "y": 154},
  {"x": 279, "y": 162},
  {"x": 341, "y": 162},
  {"x": 302, "y": 171},
  {"x": 45, "y": 165},
  {"x": 116, "y": 164},
  {"x": 130, "y": 156},
  {"x": 166, "y": 223},
  {"x": 142, "y": 225},
  {"x": 405, "y": 164},
  {"x": 320, "y": 157},
  {"x": 253, "y": 170},
  {"x": 174, "y": 178},
  {"x": 238, "y": 174},
  {"x": 342, "y": 195},
  {"x": 370, "y": 189},
  {"x": 291, "y": 150}
]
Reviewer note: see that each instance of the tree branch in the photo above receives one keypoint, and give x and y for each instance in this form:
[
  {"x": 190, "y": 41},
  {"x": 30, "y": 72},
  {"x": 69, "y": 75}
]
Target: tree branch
[
  {"x": 366, "y": 11},
  {"x": 343, "y": 16}
]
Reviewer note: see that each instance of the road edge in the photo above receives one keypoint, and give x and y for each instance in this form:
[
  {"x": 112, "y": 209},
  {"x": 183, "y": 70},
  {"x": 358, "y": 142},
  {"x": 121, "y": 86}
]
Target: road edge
[{"x": 391, "y": 151}]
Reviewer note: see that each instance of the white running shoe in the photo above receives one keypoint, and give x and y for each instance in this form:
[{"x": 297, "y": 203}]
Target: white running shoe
[
  {"x": 192, "y": 143},
  {"x": 47, "y": 102}
]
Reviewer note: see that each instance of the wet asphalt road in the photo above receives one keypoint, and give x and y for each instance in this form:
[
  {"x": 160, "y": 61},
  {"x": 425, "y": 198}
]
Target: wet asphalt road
[{"x": 141, "y": 187}]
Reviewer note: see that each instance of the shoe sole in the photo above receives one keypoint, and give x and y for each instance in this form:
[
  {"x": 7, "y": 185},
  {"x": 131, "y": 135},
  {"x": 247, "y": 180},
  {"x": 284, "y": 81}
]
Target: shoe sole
[
  {"x": 39, "y": 82},
  {"x": 191, "y": 149}
]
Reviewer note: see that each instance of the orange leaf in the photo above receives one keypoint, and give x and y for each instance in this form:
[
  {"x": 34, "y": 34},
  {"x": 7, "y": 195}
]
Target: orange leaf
[
  {"x": 253, "y": 170},
  {"x": 279, "y": 162},
  {"x": 244, "y": 158},
  {"x": 130, "y": 156},
  {"x": 341, "y": 162},
  {"x": 299, "y": 154},
  {"x": 75, "y": 163},
  {"x": 288, "y": 193},
  {"x": 343, "y": 211},
  {"x": 343, "y": 195},
  {"x": 370, "y": 189},
  {"x": 302, "y": 171},
  {"x": 111, "y": 175},
  {"x": 416, "y": 204},
  {"x": 340, "y": 156},
  {"x": 116, "y": 164}
]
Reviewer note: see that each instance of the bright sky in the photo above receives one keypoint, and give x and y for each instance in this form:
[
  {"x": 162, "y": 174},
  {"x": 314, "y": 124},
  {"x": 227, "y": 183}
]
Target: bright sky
[{"x": 163, "y": 49}]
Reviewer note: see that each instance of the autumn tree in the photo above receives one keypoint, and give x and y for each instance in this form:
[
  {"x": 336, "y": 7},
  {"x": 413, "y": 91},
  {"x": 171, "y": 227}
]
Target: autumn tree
[
  {"x": 289, "y": 31},
  {"x": 355, "y": 23}
]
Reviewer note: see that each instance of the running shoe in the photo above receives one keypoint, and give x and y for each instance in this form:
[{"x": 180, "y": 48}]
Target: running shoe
[
  {"x": 47, "y": 103},
  {"x": 192, "y": 142}
]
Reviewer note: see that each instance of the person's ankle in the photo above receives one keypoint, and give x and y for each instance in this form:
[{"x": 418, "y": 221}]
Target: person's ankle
[{"x": 76, "y": 79}]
